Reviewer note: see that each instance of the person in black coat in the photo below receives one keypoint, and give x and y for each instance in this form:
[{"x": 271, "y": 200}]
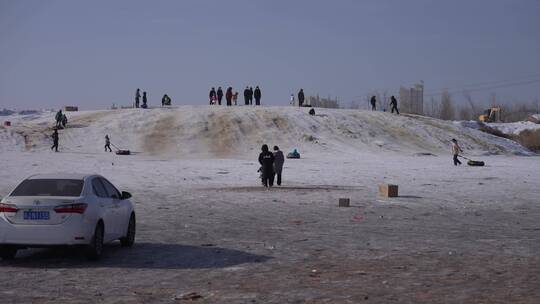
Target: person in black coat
[
  {"x": 250, "y": 95},
  {"x": 266, "y": 159},
  {"x": 301, "y": 98},
  {"x": 257, "y": 95},
  {"x": 246, "y": 96},
  {"x": 55, "y": 140},
  {"x": 219, "y": 95},
  {"x": 144, "y": 100},
  {"x": 373, "y": 102},
  {"x": 393, "y": 104},
  {"x": 228, "y": 96},
  {"x": 137, "y": 97}
]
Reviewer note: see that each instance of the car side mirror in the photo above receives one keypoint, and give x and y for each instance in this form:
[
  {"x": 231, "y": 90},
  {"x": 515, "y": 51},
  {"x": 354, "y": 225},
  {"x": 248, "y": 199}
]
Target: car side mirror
[{"x": 126, "y": 195}]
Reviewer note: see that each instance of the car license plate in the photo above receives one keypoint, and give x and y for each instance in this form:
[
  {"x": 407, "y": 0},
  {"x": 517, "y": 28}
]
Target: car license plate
[{"x": 36, "y": 215}]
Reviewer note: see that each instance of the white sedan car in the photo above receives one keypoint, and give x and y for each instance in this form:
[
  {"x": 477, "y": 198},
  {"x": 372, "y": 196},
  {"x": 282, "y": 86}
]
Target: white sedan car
[{"x": 65, "y": 209}]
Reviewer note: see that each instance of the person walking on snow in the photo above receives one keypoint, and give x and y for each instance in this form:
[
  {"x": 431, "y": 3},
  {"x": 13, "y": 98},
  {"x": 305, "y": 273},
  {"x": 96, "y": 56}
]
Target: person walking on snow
[
  {"x": 266, "y": 159},
  {"x": 246, "y": 96},
  {"x": 137, "y": 97},
  {"x": 373, "y": 102},
  {"x": 212, "y": 96},
  {"x": 257, "y": 95},
  {"x": 251, "y": 95},
  {"x": 107, "y": 143},
  {"x": 393, "y": 104},
  {"x": 292, "y": 99},
  {"x": 301, "y": 98},
  {"x": 456, "y": 149},
  {"x": 219, "y": 95},
  {"x": 58, "y": 118},
  {"x": 64, "y": 120},
  {"x": 55, "y": 140},
  {"x": 228, "y": 96},
  {"x": 279, "y": 159}
]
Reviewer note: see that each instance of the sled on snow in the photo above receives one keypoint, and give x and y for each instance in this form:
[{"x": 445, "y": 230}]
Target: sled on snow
[
  {"x": 293, "y": 154},
  {"x": 122, "y": 152},
  {"x": 473, "y": 163}
]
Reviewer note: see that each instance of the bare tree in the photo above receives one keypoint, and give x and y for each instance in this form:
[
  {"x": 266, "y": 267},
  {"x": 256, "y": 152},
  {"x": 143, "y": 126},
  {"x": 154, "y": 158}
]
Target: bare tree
[
  {"x": 464, "y": 113},
  {"x": 447, "y": 108}
]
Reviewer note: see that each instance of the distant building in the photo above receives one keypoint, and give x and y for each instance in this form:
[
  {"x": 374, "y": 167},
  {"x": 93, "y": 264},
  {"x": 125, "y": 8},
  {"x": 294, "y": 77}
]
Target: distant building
[{"x": 412, "y": 99}]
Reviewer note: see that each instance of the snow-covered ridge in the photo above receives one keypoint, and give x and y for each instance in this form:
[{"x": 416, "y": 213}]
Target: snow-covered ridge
[{"x": 235, "y": 132}]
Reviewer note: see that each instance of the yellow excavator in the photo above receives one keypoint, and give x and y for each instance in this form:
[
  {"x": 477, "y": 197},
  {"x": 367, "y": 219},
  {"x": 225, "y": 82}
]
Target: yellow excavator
[{"x": 491, "y": 115}]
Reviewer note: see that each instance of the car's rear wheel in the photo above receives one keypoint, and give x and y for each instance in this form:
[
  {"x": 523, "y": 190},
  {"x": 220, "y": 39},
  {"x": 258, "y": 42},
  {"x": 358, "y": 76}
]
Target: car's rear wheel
[
  {"x": 129, "y": 239},
  {"x": 8, "y": 252},
  {"x": 95, "y": 248}
]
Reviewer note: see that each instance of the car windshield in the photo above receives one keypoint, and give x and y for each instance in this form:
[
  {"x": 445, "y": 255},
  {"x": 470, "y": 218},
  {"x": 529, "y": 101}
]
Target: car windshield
[{"x": 49, "y": 187}]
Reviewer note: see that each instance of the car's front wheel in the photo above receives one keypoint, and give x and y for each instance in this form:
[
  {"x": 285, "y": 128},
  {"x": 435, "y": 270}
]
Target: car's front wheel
[
  {"x": 129, "y": 239},
  {"x": 95, "y": 248},
  {"x": 8, "y": 252}
]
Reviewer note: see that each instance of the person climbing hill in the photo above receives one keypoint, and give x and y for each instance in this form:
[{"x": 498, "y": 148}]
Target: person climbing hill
[{"x": 393, "y": 104}]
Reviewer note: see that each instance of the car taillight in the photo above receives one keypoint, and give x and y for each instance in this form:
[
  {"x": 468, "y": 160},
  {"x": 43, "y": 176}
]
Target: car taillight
[
  {"x": 8, "y": 208},
  {"x": 72, "y": 208}
]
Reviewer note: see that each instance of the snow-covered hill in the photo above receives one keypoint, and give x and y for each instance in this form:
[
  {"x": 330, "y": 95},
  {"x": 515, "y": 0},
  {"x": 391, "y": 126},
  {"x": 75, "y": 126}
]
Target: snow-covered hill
[{"x": 221, "y": 132}]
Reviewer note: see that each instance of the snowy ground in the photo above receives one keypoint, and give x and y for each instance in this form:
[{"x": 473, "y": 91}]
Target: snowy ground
[{"x": 455, "y": 234}]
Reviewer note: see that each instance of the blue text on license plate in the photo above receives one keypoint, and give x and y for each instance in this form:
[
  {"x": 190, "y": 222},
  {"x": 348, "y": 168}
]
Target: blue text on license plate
[{"x": 36, "y": 215}]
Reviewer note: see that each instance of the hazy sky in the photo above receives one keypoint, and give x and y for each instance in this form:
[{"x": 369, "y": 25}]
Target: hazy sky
[{"x": 95, "y": 53}]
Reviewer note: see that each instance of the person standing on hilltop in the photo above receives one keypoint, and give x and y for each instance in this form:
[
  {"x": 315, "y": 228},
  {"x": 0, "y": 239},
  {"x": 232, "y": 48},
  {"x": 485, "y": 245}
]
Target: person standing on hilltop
[
  {"x": 373, "y": 102},
  {"x": 55, "y": 140},
  {"x": 137, "y": 97},
  {"x": 266, "y": 159},
  {"x": 166, "y": 100},
  {"x": 393, "y": 104},
  {"x": 301, "y": 98},
  {"x": 257, "y": 95},
  {"x": 235, "y": 98},
  {"x": 456, "y": 149},
  {"x": 251, "y": 95},
  {"x": 279, "y": 160},
  {"x": 212, "y": 96},
  {"x": 228, "y": 96},
  {"x": 246, "y": 96},
  {"x": 144, "y": 100},
  {"x": 107, "y": 143},
  {"x": 219, "y": 95}
]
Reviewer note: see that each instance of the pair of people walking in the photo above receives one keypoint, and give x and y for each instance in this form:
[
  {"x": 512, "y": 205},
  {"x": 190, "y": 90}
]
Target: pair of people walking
[
  {"x": 61, "y": 119},
  {"x": 271, "y": 165},
  {"x": 138, "y": 97},
  {"x": 393, "y": 104}
]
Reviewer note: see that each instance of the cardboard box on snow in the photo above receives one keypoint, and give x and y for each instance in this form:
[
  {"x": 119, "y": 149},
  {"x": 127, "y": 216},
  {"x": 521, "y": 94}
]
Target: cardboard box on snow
[{"x": 388, "y": 190}]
